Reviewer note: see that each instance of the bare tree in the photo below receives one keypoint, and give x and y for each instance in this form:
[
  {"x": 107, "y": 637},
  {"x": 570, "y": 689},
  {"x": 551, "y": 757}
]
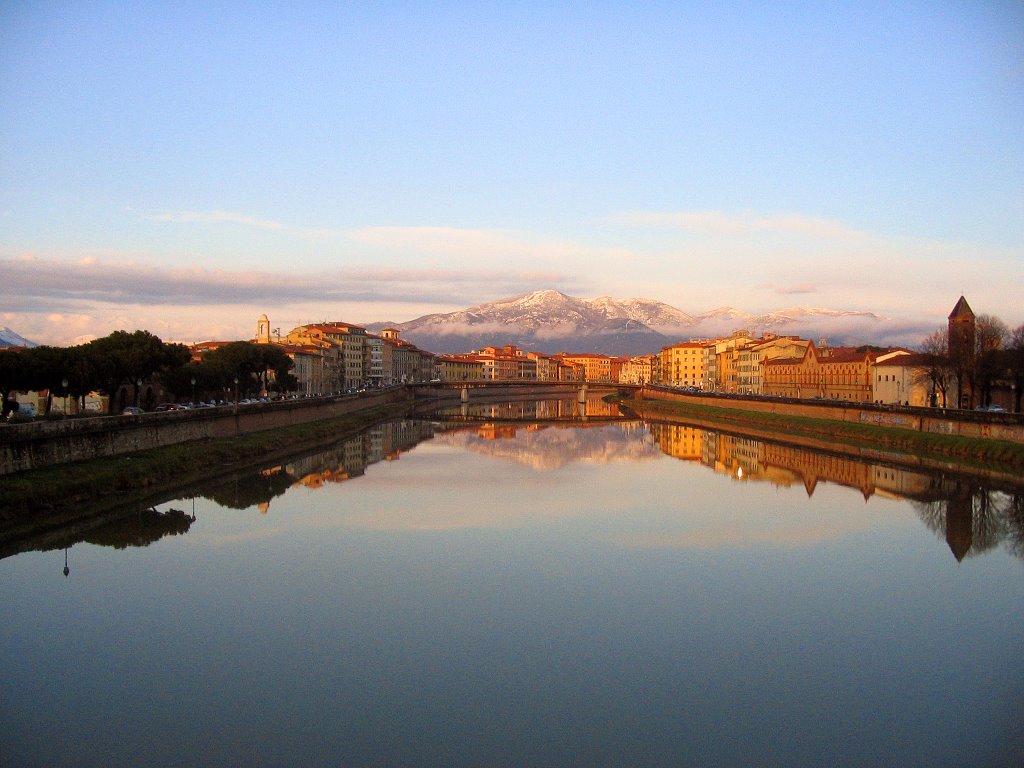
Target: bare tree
[
  {"x": 1014, "y": 357},
  {"x": 938, "y": 370},
  {"x": 990, "y": 336}
]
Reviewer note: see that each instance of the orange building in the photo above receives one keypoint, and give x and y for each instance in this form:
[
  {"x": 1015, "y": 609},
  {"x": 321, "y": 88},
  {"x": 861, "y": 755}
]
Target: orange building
[{"x": 595, "y": 367}]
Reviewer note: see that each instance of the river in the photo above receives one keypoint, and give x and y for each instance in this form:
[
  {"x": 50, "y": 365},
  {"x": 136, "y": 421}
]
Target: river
[{"x": 529, "y": 585}]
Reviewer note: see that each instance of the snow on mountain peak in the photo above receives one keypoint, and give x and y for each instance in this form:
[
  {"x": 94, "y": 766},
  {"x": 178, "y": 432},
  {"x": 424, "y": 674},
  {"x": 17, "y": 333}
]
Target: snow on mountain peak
[{"x": 9, "y": 338}]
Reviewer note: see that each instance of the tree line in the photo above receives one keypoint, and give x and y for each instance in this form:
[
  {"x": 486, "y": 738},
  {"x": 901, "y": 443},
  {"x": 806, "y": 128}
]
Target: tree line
[
  {"x": 997, "y": 357},
  {"x": 136, "y": 359}
]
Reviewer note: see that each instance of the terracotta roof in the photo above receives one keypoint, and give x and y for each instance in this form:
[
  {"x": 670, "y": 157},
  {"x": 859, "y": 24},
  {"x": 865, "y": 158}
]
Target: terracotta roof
[
  {"x": 842, "y": 355},
  {"x": 913, "y": 360},
  {"x": 695, "y": 344}
]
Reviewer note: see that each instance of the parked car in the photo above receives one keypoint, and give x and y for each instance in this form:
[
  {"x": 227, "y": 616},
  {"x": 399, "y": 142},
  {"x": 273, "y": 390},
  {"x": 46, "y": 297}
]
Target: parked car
[{"x": 132, "y": 410}]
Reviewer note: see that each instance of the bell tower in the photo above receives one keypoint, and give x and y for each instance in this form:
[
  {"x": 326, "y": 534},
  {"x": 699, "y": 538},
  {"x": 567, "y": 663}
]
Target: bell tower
[
  {"x": 961, "y": 336},
  {"x": 263, "y": 330}
]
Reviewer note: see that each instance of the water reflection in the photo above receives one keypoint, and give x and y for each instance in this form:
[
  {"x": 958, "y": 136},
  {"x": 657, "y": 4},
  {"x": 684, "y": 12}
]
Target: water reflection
[
  {"x": 970, "y": 515},
  {"x": 559, "y": 409},
  {"x": 506, "y": 592}
]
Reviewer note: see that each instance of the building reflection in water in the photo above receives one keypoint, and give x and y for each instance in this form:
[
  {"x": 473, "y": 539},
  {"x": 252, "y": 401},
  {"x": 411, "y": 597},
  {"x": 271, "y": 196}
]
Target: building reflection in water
[{"x": 970, "y": 517}]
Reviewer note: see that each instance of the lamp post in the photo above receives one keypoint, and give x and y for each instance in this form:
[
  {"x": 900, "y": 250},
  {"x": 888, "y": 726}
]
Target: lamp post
[
  {"x": 64, "y": 388},
  {"x": 193, "y": 380},
  {"x": 236, "y": 394},
  {"x": 138, "y": 389}
]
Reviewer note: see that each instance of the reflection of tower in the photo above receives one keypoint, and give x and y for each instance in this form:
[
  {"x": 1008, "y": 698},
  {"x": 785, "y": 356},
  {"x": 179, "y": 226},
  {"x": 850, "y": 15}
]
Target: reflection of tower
[
  {"x": 960, "y": 523},
  {"x": 961, "y": 350},
  {"x": 66, "y": 569},
  {"x": 263, "y": 330}
]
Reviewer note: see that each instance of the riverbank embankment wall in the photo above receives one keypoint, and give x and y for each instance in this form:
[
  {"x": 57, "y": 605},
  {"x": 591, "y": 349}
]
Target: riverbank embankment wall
[
  {"x": 939, "y": 421},
  {"x": 45, "y": 443}
]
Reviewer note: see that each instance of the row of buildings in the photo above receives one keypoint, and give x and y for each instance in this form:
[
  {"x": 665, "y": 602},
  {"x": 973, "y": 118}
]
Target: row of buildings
[
  {"x": 335, "y": 356},
  {"x": 331, "y": 357},
  {"x": 769, "y": 364},
  {"x": 786, "y": 366}
]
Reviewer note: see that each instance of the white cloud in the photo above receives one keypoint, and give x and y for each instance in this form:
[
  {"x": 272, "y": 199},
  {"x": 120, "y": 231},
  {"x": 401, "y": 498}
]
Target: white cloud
[
  {"x": 718, "y": 223},
  {"x": 245, "y": 220}
]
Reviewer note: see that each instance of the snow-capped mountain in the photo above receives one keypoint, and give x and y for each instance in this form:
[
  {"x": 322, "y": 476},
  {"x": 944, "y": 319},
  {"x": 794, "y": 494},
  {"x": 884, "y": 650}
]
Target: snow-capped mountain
[
  {"x": 550, "y": 321},
  {"x": 9, "y": 338},
  {"x": 729, "y": 314},
  {"x": 546, "y": 321},
  {"x": 800, "y": 314}
]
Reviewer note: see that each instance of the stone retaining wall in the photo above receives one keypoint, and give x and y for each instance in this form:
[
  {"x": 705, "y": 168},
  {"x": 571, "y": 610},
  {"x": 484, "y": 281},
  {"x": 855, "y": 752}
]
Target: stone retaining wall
[
  {"x": 1008, "y": 426},
  {"x": 45, "y": 443}
]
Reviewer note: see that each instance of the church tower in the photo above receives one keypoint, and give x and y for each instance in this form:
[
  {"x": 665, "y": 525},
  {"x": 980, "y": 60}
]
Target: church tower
[
  {"x": 263, "y": 330},
  {"x": 961, "y": 351}
]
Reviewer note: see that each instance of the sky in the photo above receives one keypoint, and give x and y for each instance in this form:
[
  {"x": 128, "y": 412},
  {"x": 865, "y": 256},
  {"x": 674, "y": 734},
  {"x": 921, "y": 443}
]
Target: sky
[{"x": 185, "y": 167}]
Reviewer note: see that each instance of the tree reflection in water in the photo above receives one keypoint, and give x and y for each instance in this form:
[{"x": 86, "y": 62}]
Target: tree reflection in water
[
  {"x": 969, "y": 514},
  {"x": 973, "y": 519}
]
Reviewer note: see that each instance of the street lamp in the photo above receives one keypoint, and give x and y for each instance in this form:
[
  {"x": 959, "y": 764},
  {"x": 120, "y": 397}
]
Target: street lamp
[
  {"x": 64, "y": 387},
  {"x": 236, "y": 394},
  {"x": 138, "y": 389},
  {"x": 193, "y": 390}
]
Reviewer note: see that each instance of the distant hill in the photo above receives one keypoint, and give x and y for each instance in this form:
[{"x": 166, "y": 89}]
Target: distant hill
[
  {"x": 549, "y": 321},
  {"x": 9, "y": 338}
]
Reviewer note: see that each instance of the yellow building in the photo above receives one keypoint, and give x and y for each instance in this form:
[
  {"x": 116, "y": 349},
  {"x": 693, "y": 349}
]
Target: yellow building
[
  {"x": 459, "y": 368},
  {"x": 682, "y": 364},
  {"x": 722, "y": 361}
]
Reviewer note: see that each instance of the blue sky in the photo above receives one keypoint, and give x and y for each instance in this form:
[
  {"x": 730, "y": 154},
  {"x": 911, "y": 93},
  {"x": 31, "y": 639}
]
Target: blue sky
[{"x": 185, "y": 167}]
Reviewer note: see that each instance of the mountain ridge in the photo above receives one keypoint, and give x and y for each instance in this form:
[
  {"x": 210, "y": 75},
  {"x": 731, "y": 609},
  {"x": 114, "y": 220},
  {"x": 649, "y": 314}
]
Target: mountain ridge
[
  {"x": 10, "y": 338},
  {"x": 550, "y": 321}
]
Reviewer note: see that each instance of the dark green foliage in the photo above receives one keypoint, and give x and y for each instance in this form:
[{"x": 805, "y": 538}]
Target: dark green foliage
[
  {"x": 102, "y": 365},
  {"x": 256, "y": 366}
]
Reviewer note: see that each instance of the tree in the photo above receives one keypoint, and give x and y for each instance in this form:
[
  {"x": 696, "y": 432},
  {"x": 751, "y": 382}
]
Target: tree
[
  {"x": 1014, "y": 358},
  {"x": 938, "y": 369},
  {"x": 257, "y": 366},
  {"x": 130, "y": 358},
  {"x": 991, "y": 335},
  {"x": 81, "y": 373},
  {"x": 45, "y": 370},
  {"x": 13, "y": 377}
]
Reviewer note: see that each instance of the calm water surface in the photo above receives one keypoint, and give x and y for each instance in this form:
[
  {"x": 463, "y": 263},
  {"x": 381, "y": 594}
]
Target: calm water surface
[{"x": 456, "y": 594}]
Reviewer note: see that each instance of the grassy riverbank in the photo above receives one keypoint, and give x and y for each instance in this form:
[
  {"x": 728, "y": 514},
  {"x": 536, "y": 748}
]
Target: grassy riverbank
[
  {"x": 974, "y": 451},
  {"x": 140, "y": 474}
]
